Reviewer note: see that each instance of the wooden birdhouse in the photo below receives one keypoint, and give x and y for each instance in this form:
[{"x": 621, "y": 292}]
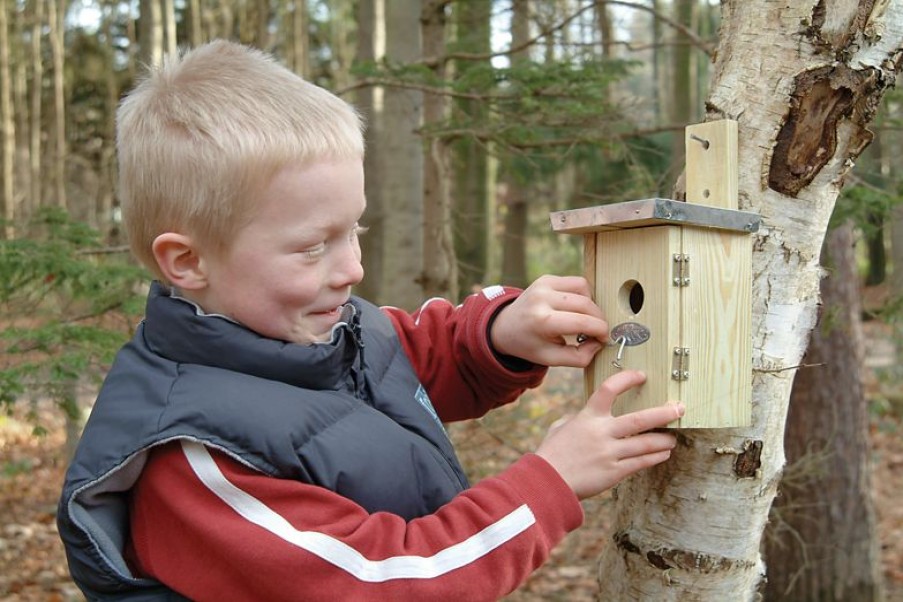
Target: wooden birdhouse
[{"x": 674, "y": 281}]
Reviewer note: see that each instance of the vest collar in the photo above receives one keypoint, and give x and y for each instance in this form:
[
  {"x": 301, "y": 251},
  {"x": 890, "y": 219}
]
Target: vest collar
[{"x": 178, "y": 330}]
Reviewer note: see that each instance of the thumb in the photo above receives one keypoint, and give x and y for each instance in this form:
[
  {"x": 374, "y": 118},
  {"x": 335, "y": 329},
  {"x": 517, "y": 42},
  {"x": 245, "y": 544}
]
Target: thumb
[{"x": 604, "y": 398}]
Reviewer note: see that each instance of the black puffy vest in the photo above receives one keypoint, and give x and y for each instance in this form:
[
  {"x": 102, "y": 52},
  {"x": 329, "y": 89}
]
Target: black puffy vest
[{"x": 349, "y": 415}]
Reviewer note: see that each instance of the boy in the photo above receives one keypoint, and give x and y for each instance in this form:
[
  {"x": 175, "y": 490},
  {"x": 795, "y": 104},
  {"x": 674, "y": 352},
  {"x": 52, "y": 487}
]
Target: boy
[{"x": 268, "y": 436}]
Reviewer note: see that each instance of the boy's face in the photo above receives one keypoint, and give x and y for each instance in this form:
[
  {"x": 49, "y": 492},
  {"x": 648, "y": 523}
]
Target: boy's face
[{"x": 293, "y": 265}]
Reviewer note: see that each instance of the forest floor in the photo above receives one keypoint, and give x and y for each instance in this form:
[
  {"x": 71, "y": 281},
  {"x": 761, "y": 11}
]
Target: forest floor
[{"x": 32, "y": 563}]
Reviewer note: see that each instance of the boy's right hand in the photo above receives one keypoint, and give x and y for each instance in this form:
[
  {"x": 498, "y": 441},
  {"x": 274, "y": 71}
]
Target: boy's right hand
[{"x": 594, "y": 450}]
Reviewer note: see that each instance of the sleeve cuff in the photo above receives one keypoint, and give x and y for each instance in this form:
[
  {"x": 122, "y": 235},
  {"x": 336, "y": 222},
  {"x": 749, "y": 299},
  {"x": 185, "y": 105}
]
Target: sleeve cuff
[{"x": 519, "y": 371}]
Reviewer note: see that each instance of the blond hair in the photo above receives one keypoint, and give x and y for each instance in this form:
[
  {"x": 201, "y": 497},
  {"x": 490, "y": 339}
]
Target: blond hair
[{"x": 205, "y": 131}]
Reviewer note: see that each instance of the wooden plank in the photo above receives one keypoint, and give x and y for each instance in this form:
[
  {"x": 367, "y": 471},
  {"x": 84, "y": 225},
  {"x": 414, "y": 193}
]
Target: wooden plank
[
  {"x": 716, "y": 328},
  {"x": 712, "y": 167},
  {"x": 625, "y": 259}
]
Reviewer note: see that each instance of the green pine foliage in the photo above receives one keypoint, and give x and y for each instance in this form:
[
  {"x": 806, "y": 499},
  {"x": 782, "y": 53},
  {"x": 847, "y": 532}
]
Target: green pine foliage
[{"x": 66, "y": 305}]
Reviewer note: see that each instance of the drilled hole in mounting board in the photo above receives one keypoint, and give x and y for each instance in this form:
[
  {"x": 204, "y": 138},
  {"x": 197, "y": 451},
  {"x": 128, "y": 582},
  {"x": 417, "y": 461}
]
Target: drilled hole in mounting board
[{"x": 631, "y": 297}]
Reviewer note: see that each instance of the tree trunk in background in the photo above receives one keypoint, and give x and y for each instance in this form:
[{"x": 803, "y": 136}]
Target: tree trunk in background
[
  {"x": 873, "y": 230},
  {"x": 253, "y": 21},
  {"x": 471, "y": 195},
  {"x": 440, "y": 274},
  {"x": 35, "y": 127},
  {"x": 195, "y": 29},
  {"x": 892, "y": 172},
  {"x": 707, "y": 18},
  {"x": 9, "y": 128},
  {"x": 168, "y": 14},
  {"x": 150, "y": 34},
  {"x": 264, "y": 39},
  {"x": 691, "y": 529},
  {"x": 19, "y": 63},
  {"x": 56, "y": 13},
  {"x": 342, "y": 35},
  {"x": 606, "y": 31},
  {"x": 299, "y": 58},
  {"x": 108, "y": 169},
  {"x": 223, "y": 19},
  {"x": 821, "y": 543},
  {"x": 683, "y": 81},
  {"x": 514, "y": 237},
  {"x": 657, "y": 61},
  {"x": 896, "y": 246},
  {"x": 371, "y": 43},
  {"x": 403, "y": 168}
]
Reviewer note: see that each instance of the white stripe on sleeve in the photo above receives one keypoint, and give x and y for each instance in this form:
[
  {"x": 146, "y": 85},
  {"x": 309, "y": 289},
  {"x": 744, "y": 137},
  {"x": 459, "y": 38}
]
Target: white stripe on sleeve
[{"x": 341, "y": 554}]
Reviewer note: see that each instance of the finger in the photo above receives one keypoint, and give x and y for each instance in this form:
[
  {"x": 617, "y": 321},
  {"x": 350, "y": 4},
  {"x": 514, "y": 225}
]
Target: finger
[
  {"x": 644, "y": 420},
  {"x": 647, "y": 443},
  {"x": 573, "y": 355},
  {"x": 628, "y": 466},
  {"x": 580, "y": 331},
  {"x": 616, "y": 384},
  {"x": 574, "y": 303},
  {"x": 571, "y": 284}
]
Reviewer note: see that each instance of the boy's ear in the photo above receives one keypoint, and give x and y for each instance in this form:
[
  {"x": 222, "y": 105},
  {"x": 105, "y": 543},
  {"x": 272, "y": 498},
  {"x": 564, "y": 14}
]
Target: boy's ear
[{"x": 180, "y": 261}]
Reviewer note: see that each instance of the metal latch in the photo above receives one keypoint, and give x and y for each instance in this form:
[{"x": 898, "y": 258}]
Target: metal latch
[
  {"x": 680, "y": 363},
  {"x": 680, "y": 269}
]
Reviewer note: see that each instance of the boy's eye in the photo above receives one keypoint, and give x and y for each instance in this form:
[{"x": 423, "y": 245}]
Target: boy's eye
[{"x": 316, "y": 251}]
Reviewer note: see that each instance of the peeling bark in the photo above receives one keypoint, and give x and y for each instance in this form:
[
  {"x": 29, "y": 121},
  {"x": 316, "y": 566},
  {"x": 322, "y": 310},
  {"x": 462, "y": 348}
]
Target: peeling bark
[{"x": 821, "y": 98}]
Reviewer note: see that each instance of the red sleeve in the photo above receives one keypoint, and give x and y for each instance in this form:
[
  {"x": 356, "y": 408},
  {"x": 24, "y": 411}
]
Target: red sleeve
[
  {"x": 214, "y": 529},
  {"x": 449, "y": 348}
]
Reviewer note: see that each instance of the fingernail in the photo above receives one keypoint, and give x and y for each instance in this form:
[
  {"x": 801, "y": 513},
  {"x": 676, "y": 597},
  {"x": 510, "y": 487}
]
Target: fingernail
[{"x": 681, "y": 409}]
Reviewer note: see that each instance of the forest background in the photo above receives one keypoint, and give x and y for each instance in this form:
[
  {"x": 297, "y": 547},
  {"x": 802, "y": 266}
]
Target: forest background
[{"x": 498, "y": 113}]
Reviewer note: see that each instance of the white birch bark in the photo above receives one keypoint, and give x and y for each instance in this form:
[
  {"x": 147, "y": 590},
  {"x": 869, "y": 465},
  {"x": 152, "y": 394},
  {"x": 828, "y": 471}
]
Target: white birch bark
[{"x": 802, "y": 79}]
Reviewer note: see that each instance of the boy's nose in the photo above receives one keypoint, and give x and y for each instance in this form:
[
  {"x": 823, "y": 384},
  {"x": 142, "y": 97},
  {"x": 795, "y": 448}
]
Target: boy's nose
[{"x": 348, "y": 269}]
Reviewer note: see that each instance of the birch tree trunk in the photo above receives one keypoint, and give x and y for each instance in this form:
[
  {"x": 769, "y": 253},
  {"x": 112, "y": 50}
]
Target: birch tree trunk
[{"x": 803, "y": 80}]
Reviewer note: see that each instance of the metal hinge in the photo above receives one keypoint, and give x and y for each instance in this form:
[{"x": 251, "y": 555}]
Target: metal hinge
[
  {"x": 680, "y": 363},
  {"x": 680, "y": 269}
]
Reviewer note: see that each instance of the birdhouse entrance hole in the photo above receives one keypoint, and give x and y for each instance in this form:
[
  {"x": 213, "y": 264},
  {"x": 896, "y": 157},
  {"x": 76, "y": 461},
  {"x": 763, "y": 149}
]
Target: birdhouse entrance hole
[{"x": 632, "y": 296}]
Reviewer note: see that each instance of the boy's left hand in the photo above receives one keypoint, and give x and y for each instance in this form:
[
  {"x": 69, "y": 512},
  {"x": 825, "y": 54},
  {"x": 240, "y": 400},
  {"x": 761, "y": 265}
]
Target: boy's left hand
[{"x": 534, "y": 326}]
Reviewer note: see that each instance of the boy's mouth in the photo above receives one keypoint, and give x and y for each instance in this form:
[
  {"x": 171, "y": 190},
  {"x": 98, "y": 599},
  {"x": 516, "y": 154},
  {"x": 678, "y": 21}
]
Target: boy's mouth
[{"x": 335, "y": 312}]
